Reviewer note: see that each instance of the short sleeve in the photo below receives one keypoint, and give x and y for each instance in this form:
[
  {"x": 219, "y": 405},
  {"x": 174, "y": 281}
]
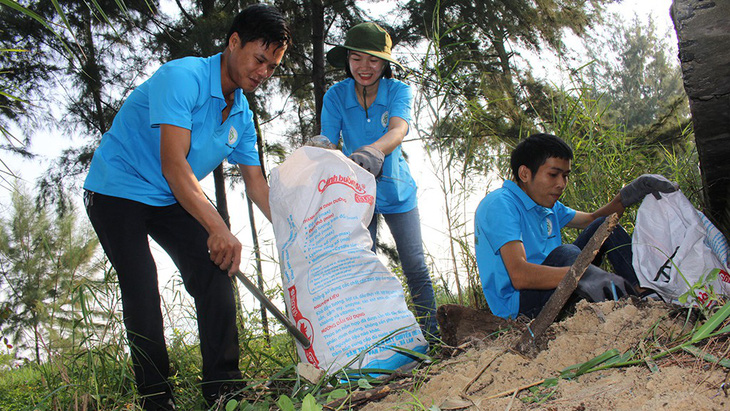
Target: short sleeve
[
  {"x": 563, "y": 213},
  {"x": 499, "y": 222},
  {"x": 170, "y": 103},
  {"x": 331, "y": 118},
  {"x": 402, "y": 102}
]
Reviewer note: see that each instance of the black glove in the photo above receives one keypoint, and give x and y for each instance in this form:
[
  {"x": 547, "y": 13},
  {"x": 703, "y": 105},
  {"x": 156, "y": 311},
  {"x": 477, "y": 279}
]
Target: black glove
[
  {"x": 597, "y": 285},
  {"x": 369, "y": 158},
  {"x": 644, "y": 185}
]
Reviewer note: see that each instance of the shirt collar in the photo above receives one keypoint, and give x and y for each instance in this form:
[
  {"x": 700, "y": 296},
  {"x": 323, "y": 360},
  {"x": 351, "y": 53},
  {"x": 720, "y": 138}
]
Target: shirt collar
[
  {"x": 381, "y": 99},
  {"x": 527, "y": 202},
  {"x": 216, "y": 88}
]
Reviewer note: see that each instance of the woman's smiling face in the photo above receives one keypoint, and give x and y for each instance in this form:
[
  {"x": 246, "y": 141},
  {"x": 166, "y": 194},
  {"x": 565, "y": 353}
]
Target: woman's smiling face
[{"x": 365, "y": 69}]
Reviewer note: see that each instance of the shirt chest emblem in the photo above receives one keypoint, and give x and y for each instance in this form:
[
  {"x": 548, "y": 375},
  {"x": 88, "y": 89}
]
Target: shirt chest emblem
[
  {"x": 549, "y": 227},
  {"x": 384, "y": 119},
  {"x": 232, "y": 136}
]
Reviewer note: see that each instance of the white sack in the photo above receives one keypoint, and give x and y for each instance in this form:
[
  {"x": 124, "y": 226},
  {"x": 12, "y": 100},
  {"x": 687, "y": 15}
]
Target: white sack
[
  {"x": 672, "y": 239},
  {"x": 336, "y": 289}
]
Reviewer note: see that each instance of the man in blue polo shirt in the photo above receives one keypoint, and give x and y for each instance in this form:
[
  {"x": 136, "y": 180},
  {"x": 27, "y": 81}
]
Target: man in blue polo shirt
[
  {"x": 172, "y": 131},
  {"x": 519, "y": 251}
]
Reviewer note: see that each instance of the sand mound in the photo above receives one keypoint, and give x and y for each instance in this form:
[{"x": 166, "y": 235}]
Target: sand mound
[{"x": 676, "y": 381}]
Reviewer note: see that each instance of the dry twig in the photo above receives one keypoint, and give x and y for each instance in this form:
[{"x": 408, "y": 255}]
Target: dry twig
[{"x": 514, "y": 390}]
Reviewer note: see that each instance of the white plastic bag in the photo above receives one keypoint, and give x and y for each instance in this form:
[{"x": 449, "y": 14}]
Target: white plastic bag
[
  {"x": 675, "y": 247},
  {"x": 336, "y": 289}
]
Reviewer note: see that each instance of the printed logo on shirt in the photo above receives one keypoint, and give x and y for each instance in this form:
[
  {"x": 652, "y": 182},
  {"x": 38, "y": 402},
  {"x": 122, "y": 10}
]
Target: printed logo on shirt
[
  {"x": 549, "y": 227},
  {"x": 232, "y": 136},
  {"x": 384, "y": 119}
]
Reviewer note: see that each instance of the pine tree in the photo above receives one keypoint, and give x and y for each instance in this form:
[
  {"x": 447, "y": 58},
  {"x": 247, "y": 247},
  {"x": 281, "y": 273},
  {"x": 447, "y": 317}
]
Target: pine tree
[{"x": 43, "y": 258}]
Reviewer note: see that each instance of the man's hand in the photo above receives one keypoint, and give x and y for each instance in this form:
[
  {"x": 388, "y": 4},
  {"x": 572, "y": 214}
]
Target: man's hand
[
  {"x": 369, "y": 158},
  {"x": 644, "y": 185},
  {"x": 225, "y": 251},
  {"x": 597, "y": 285}
]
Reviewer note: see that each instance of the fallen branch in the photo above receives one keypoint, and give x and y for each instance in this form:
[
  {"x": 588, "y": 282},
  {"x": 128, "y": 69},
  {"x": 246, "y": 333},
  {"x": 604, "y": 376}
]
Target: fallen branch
[
  {"x": 511, "y": 401},
  {"x": 359, "y": 398},
  {"x": 566, "y": 287},
  {"x": 467, "y": 386},
  {"x": 514, "y": 390}
]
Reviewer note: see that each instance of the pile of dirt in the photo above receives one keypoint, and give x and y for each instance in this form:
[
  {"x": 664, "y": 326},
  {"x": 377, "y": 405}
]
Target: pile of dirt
[{"x": 490, "y": 375}]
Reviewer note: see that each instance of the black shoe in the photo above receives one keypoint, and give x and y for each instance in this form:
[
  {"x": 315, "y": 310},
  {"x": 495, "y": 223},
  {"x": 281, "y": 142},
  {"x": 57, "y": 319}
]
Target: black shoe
[
  {"x": 226, "y": 392},
  {"x": 165, "y": 403}
]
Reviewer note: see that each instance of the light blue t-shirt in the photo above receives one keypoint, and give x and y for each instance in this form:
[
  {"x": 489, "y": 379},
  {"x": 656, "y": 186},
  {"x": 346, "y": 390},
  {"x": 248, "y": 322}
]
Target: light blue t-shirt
[
  {"x": 509, "y": 214},
  {"x": 186, "y": 93},
  {"x": 343, "y": 116}
]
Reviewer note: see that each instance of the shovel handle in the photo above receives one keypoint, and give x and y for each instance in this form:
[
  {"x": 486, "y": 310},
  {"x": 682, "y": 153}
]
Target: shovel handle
[{"x": 293, "y": 330}]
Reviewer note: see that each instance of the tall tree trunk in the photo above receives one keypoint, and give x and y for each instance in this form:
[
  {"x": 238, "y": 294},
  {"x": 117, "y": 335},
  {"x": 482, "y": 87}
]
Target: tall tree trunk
[
  {"x": 703, "y": 38},
  {"x": 221, "y": 198},
  {"x": 254, "y": 234},
  {"x": 37, "y": 332},
  {"x": 317, "y": 11},
  {"x": 508, "y": 82},
  {"x": 91, "y": 75}
]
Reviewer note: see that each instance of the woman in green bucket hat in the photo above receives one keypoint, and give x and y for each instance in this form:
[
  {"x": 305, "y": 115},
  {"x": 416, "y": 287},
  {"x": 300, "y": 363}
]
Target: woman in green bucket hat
[{"x": 371, "y": 112}]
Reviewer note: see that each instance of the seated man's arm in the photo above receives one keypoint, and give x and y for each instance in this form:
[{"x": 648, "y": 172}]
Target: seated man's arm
[
  {"x": 583, "y": 219},
  {"x": 529, "y": 276},
  {"x": 629, "y": 195}
]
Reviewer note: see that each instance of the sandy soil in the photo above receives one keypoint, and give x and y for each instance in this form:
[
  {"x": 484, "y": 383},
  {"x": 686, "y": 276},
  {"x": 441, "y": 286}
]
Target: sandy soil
[{"x": 678, "y": 381}]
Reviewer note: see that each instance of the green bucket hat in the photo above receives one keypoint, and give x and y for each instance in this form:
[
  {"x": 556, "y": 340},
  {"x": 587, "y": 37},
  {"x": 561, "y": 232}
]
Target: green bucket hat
[{"x": 366, "y": 38}]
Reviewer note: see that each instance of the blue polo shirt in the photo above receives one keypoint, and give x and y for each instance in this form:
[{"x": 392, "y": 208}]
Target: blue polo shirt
[
  {"x": 186, "y": 93},
  {"x": 509, "y": 214},
  {"x": 343, "y": 116}
]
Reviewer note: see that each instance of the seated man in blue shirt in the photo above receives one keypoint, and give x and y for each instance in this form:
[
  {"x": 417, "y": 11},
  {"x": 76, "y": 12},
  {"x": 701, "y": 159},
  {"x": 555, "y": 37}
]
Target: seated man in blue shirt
[{"x": 519, "y": 251}]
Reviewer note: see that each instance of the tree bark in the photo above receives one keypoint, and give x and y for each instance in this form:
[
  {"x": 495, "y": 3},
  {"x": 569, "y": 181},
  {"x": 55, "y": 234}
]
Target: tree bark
[
  {"x": 254, "y": 234},
  {"x": 317, "y": 61},
  {"x": 91, "y": 75},
  {"x": 221, "y": 199},
  {"x": 460, "y": 324},
  {"x": 703, "y": 35}
]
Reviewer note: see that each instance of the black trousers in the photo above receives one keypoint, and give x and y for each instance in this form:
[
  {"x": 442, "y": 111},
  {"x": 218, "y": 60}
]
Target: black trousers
[{"x": 122, "y": 227}]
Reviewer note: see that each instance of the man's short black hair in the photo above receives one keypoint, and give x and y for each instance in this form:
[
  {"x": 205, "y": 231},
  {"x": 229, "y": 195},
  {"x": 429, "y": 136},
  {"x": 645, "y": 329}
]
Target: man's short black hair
[
  {"x": 261, "y": 22},
  {"x": 533, "y": 151}
]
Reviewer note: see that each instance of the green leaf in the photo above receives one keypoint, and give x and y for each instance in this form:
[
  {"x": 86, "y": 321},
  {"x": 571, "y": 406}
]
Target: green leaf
[
  {"x": 411, "y": 353},
  {"x": 285, "y": 403},
  {"x": 651, "y": 364},
  {"x": 567, "y": 370},
  {"x": 581, "y": 369},
  {"x": 712, "y": 275},
  {"x": 310, "y": 404},
  {"x": 337, "y": 394},
  {"x": 231, "y": 405},
  {"x": 364, "y": 384},
  {"x": 619, "y": 359},
  {"x": 39, "y": 19},
  {"x": 710, "y": 325},
  {"x": 723, "y": 330},
  {"x": 706, "y": 356},
  {"x": 550, "y": 382}
]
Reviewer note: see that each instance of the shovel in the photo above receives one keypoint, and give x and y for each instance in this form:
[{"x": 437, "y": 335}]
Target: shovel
[{"x": 293, "y": 330}]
